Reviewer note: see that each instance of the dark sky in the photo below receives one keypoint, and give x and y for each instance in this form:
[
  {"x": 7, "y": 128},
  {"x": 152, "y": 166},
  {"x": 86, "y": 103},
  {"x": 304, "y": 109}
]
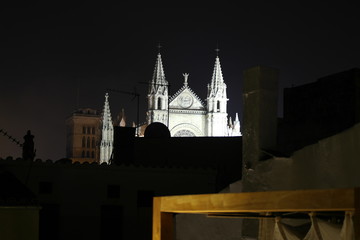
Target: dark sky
[{"x": 56, "y": 58}]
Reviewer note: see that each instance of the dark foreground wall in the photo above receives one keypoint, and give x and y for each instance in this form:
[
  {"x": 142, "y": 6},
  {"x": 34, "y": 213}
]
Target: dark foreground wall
[
  {"x": 92, "y": 201},
  {"x": 222, "y": 153}
]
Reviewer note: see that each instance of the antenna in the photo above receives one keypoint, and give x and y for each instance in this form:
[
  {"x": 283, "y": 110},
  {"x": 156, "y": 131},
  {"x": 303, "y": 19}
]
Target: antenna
[
  {"x": 136, "y": 95},
  {"x": 14, "y": 140}
]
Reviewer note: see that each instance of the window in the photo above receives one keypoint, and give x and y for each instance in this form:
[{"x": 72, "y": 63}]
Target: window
[
  {"x": 93, "y": 130},
  {"x": 45, "y": 187},
  {"x": 88, "y": 142},
  {"x": 83, "y": 154},
  {"x": 84, "y": 129},
  {"x": 159, "y": 104},
  {"x": 113, "y": 191},
  {"x": 92, "y": 154},
  {"x": 145, "y": 198},
  {"x": 83, "y": 142},
  {"x": 93, "y": 142}
]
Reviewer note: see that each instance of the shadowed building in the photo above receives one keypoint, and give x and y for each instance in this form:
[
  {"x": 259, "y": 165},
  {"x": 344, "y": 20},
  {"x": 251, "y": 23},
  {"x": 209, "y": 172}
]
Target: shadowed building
[
  {"x": 97, "y": 201},
  {"x": 83, "y": 200},
  {"x": 312, "y": 155},
  {"x": 19, "y": 209}
]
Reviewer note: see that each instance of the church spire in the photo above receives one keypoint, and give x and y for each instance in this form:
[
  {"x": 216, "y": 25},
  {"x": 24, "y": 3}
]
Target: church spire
[
  {"x": 158, "y": 79},
  {"x": 158, "y": 94},
  {"x": 217, "y": 102},
  {"x": 217, "y": 86},
  {"x": 237, "y": 128},
  {"x": 107, "y": 138}
]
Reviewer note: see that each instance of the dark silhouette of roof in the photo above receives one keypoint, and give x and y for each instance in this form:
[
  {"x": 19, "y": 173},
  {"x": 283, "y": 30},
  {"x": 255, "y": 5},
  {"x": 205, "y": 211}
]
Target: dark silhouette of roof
[
  {"x": 13, "y": 192},
  {"x": 319, "y": 109}
]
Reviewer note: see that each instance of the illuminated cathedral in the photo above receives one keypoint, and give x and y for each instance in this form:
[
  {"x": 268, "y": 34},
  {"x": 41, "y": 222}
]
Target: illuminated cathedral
[{"x": 184, "y": 113}]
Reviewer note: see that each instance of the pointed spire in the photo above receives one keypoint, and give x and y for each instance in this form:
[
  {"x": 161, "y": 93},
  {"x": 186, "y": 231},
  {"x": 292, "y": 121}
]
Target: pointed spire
[
  {"x": 230, "y": 124},
  {"x": 217, "y": 74},
  {"x": 217, "y": 85},
  {"x": 107, "y": 132},
  {"x": 158, "y": 78},
  {"x": 122, "y": 122},
  {"x": 237, "y": 128},
  {"x": 106, "y": 118},
  {"x": 158, "y": 95},
  {"x": 237, "y": 118}
]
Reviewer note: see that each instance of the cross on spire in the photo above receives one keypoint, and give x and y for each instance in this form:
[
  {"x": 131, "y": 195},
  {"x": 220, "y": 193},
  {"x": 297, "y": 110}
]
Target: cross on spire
[
  {"x": 159, "y": 46},
  {"x": 217, "y": 49}
]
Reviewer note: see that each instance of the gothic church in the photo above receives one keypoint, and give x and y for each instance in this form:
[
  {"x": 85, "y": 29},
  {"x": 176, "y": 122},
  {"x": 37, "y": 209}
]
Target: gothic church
[{"x": 184, "y": 113}]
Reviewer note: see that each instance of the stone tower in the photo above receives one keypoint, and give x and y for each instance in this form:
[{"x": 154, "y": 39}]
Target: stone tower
[
  {"x": 158, "y": 95},
  {"x": 216, "y": 116}
]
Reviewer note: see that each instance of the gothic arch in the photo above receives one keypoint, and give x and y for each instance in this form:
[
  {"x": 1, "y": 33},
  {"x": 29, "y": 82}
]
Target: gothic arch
[{"x": 186, "y": 130}]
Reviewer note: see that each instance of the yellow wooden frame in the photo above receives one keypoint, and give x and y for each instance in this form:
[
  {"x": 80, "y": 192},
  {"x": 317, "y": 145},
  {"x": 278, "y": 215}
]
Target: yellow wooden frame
[{"x": 316, "y": 200}]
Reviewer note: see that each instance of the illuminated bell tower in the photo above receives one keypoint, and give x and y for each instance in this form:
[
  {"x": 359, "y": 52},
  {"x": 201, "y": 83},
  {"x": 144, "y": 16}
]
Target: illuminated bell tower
[
  {"x": 107, "y": 136},
  {"x": 216, "y": 117},
  {"x": 158, "y": 95}
]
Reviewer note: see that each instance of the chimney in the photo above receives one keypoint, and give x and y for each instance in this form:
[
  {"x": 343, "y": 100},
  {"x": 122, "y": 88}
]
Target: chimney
[{"x": 260, "y": 99}]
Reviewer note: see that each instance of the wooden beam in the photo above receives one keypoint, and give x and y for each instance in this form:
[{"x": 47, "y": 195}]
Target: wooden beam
[
  {"x": 163, "y": 224},
  {"x": 274, "y": 201},
  {"x": 356, "y": 217},
  {"x": 317, "y": 200}
]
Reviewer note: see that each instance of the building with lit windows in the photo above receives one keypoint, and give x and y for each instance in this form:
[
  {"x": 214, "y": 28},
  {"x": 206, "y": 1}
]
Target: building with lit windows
[{"x": 83, "y": 135}]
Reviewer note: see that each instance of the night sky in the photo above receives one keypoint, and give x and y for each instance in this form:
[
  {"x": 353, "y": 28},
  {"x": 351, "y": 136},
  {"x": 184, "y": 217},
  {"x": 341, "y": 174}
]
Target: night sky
[{"x": 57, "y": 58}]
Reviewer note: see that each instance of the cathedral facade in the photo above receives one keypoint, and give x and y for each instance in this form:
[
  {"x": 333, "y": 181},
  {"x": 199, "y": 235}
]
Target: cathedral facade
[{"x": 184, "y": 113}]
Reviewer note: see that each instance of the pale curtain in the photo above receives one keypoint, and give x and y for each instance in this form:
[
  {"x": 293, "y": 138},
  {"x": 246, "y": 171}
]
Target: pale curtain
[{"x": 319, "y": 229}]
